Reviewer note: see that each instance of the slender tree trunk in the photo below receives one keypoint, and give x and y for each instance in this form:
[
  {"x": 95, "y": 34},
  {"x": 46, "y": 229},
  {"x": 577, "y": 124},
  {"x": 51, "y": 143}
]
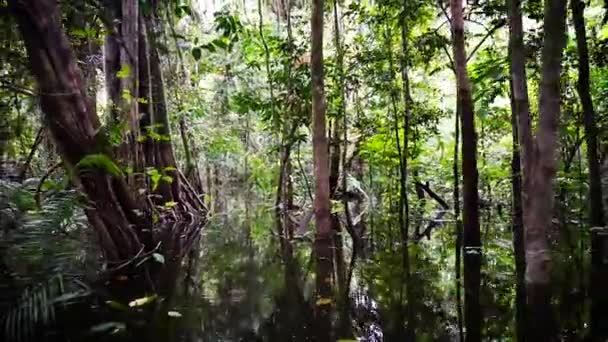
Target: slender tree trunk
[
  {"x": 323, "y": 238},
  {"x": 457, "y": 225},
  {"x": 411, "y": 313},
  {"x": 517, "y": 227},
  {"x": 520, "y": 110},
  {"x": 472, "y": 238},
  {"x": 599, "y": 270}
]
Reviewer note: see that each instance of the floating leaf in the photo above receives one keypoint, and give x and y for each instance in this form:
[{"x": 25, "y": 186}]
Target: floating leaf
[
  {"x": 144, "y": 300},
  {"x": 323, "y": 301},
  {"x": 174, "y": 314},
  {"x": 158, "y": 258}
]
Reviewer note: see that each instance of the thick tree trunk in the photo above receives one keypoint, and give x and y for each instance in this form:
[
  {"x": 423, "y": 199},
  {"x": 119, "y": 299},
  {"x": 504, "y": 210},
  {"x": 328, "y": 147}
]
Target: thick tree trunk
[
  {"x": 599, "y": 269},
  {"x": 472, "y": 238},
  {"x": 538, "y": 156},
  {"x": 323, "y": 237},
  {"x": 145, "y": 88},
  {"x": 74, "y": 125},
  {"x": 165, "y": 158}
]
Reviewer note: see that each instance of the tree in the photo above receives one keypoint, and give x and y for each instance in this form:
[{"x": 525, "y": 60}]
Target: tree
[
  {"x": 470, "y": 210},
  {"x": 538, "y": 159},
  {"x": 599, "y": 272},
  {"x": 520, "y": 108},
  {"x": 324, "y": 235},
  {"x": 118, "y": 214}
]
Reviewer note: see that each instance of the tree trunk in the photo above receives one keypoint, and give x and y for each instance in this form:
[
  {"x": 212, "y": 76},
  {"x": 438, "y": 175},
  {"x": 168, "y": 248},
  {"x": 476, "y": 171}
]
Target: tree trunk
[
  {"x": 145, "y": 108},
  {"x": 599, "y": 270},
  {"x": 520, "y": 110},
  {"x": 538, "y": 156},
  {"x": 409, "y": 293},
  {"x": 165, "y": 158},
  {"x": 457, "y": 226},
  {"x": 323, "y": 238},
  {"x": 74, "y": 125},
  {"x": 517, "y": 227},
  {"x": 472, "y": 238}
]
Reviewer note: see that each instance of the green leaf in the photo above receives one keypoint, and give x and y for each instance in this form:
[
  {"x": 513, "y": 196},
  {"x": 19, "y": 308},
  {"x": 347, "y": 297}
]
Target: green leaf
[
  {"x": 196, "y": 53},
  {"x": 174, "y": 314},
  {"x": 124, "y": 72},
  {"x": 99, "y": 161},
  {"x": 167, "y": 179}
]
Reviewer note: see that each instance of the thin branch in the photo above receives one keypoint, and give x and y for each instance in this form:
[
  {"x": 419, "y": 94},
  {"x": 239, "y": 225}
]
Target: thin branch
[{"x": 488, "y": 34}]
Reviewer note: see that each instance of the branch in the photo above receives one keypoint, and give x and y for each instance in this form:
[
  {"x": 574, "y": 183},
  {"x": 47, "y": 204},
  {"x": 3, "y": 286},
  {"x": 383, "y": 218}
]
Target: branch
[
  {"x": 433, "y": 195},
  {"x": 44, "y": 177},
  {"x": 28, "y": 161},
  {"x": 498, "y": 25}
]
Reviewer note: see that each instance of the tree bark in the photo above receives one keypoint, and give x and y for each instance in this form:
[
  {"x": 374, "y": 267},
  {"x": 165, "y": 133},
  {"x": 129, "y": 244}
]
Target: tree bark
[
  {"x": 538, "y": 161},
  {"x": 520, "y": 110},
  {"x": 472, "y": 238},
  {"x": 323, "y": 237},
  {"x": 410, "y": 332},
  {"x": 517, "y": 227},
  {"x": 599, "y": 270},
  {"x": 74, "y": 125},
  {"x": 165, "y": 158}
]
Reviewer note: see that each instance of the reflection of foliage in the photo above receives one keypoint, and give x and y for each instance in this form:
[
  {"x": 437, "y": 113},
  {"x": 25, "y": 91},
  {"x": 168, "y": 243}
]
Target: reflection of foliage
[{"x": 33, "y": 310}]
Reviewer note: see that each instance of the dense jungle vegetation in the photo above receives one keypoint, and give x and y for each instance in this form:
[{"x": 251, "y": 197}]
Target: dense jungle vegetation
[{"x": 287, "y": 170}]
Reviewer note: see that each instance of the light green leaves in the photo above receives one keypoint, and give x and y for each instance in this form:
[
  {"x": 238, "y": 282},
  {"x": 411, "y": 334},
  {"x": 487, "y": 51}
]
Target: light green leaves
[{"x": 99, "y": 161}]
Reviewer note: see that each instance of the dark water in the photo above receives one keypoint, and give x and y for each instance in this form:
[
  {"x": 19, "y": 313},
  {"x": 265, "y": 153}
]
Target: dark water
[{"x": 235, "y": 285}]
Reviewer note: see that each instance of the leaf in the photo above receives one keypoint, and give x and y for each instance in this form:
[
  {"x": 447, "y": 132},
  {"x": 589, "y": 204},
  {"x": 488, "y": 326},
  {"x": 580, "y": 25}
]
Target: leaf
[
  {"x": 144, "y": 300},
  {"x": 170, "y": 204},
  {"x": 167, "y": 179},
  {"x": 124, "y": 72},
  {"x": 323, "y": 301},
  {"x": 158, "y": 258},
  {"x": 196, "y": 53},
  {"x": 174, "y": 314},
  {"x": 170, "y": 168},
  {"x": 99, "y": 161}
]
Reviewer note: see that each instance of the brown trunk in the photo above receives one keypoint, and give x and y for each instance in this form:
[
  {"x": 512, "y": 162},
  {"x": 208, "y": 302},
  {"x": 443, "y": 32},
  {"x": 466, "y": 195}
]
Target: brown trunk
[
  {"x": 539, "y": 164},
  {"x": 323, "y": 237},
  {"x": 457, "y": 226},
  {"x": 129, "y": 57},
  {"x": 517, "y": 227},
  {"x": 520, "y": 110},
  {"x": 165, "y": 158},
  {"x": 599, "y": 269},
  {"x": 470, "y": 212},
  {"x": 74, "y": 125},
  {"x": 410, "y": 333},
  {"x": 144, "y": 83}
]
